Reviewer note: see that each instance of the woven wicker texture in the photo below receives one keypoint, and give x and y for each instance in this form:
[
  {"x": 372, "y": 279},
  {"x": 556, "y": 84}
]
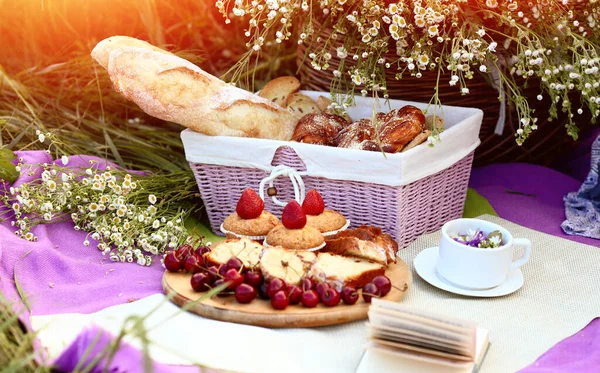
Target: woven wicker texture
[
  {"x": 545, "y": 145},
  {"x": 405, "y": 212},
  {"x": 558, "y": 298}
]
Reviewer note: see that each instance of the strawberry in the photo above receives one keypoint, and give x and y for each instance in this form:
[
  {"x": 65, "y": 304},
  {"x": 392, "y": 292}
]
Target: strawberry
[
  {"x": 250, "y": 205},
  {"x": 313, "y": 203},
  {"x": 293, "y": 216}
]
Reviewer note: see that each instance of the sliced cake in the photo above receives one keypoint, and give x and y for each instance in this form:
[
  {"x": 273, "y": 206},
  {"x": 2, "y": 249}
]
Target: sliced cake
[
  {"x": 364, "y": 242},
  {"x": 290, "y": 266},
  {"x": 342, "y": 271},
  {"x": 244, "y": 249}
]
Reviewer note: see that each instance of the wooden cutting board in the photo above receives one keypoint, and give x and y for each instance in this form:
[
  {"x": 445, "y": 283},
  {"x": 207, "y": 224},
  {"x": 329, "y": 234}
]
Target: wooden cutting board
[{"x": 260, "y": 313}]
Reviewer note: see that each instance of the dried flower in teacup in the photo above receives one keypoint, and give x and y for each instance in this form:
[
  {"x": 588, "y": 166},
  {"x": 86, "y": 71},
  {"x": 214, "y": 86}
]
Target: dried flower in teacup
[{"x": 476, "y": 238}]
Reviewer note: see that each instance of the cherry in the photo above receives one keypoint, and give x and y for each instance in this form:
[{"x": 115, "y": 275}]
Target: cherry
[
  {"x": 294, "y": 294},
  {"x": 172, "y": 262},
  {"x": 369, "y": 291},
  {"x": 223, "y": 269},
  {"x": 349, "y": 295},
  {"x": 200, "y": 281},
  {"x": 307, "y": 284},
  {"x": 235, "y": 263},
  {"x": 184, "y": 251},
  {"x": 321, "y": 287},
  {"x": 220, "y": 282},
  {"x": 262, "y": 291},
  {"x": 202, "y": 249},
  {"x": 213, "y": 271},
  {"x": 330, "y": 297},
  {"x": 383, "y": 284},
  {"x": 193, "y": 264},
  {"x": 235, "y": 277},
  {"x": 280, "y": 300},
  {"x": 245, "y": 293},
  {"x": 310, "y": 299},
  {"x": 253, "y": 278},
  {"x": 274, "y": 286}
]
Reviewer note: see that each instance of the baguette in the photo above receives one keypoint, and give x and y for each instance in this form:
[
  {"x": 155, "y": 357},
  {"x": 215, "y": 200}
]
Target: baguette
[{"x": 173, "y": 89}]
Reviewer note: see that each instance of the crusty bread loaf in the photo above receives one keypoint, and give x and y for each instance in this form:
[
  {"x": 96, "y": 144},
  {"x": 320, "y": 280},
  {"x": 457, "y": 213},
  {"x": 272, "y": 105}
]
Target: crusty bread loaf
[
  {"x": 342, "y": 271},
  {"x": 102, "y": 50},
  {"x": 246, "y": 250},
  {"x": 173, "y": 89}
]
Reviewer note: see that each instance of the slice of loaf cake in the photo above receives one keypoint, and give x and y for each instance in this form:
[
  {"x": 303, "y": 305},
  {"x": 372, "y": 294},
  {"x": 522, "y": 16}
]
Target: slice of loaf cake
[
  {"x": 364, "y": 242},
  {"x": 290, "y": 266},
  {"x": 342, "y": 271},
  {"x": 246, "y": 250}
]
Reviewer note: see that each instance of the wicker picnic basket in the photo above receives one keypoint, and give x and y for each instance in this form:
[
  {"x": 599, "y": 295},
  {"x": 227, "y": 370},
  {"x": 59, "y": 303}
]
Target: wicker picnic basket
[{"x": 406, "y": 194}]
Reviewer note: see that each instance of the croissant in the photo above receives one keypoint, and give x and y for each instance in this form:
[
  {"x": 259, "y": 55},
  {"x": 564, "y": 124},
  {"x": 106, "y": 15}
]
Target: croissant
[{"x": 319, "y": 129}]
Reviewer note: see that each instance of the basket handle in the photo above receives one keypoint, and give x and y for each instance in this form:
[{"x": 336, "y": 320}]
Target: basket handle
[{"x": 295, "y": 177}]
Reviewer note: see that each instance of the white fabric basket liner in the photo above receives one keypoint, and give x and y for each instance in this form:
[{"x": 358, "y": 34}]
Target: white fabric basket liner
[{"x": 460, "y": 138}]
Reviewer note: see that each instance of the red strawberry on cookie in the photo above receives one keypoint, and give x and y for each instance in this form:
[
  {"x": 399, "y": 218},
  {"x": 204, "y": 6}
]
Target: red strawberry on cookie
[
  {"x": 250, "y": 205},
  {"x": 293, "y": 216},
  {"x": 313, "y": 203}
]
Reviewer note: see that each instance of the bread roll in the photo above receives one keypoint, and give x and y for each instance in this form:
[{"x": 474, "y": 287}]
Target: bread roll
[{"x": 173, "y": 89}]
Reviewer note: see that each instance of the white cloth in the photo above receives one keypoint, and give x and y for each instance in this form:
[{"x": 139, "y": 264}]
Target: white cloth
[{"x": 459, "y": 139}]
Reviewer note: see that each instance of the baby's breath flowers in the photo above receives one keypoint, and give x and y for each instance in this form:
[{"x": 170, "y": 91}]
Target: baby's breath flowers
[
  {"x": 510, "y": 41},
  {"x": 127, "y": 216}
]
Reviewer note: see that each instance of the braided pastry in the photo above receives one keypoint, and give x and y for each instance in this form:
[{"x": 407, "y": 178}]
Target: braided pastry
[{"x": 319, "y": 129}]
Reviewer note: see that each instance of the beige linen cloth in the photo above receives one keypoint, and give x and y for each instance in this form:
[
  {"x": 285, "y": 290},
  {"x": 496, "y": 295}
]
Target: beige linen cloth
[{"x": 560, "y": 295}]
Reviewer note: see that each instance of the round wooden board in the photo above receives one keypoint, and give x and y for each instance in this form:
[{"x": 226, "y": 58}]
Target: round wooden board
[{"x": 260, "y": 313}]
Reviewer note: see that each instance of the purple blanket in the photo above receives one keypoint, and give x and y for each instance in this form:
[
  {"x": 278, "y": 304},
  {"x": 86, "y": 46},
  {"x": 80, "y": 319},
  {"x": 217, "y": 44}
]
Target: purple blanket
[{"x": 57, "y": 275}]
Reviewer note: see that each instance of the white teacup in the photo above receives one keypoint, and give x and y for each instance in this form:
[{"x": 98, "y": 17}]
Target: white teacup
[{"x": 475, "y": 268}]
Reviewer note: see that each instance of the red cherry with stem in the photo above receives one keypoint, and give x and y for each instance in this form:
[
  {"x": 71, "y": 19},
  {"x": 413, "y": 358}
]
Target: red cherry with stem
[
  {"x": 213, "y": 271},
  {"x": 184, "y": 251},
  {"x": 172, "y": 262},
  {"x": 193, "y": 264},
  {"x": 383, "y": 283},
  {"x": 245, "y": 293},
  {"x": 349, "y": 295},
  {"x": 310, "y": 299},
  {"x": 220, "y": 282},
  {"x": 253, "y": 278},
  {"x": 321, "y": 287},
  {"x": 235, "y": 263},
  {"x": 234, "y": 277},
  {"x": 369, "y": 291},
  {"x": 223, "y": 269},
  {"x": 294, "y": 294},
  {"x": 200, "y": 281},
  {"x": 274, "y": 286},
  {"x": 280, "y": 300},
  {"x": 262, "y": 291},
  {"x": 307, "y": 284},
  {"x": 330, "y": 297},
  {"x": 201, "y": 250}
]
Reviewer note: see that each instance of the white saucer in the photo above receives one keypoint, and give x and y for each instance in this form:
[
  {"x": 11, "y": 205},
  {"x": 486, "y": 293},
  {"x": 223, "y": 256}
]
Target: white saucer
[{"x": 425, "y": 266}]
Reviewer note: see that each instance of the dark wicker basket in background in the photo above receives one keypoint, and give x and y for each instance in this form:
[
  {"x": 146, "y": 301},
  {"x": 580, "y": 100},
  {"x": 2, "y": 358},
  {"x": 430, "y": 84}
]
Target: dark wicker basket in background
[{"x": 544, "y": 146}]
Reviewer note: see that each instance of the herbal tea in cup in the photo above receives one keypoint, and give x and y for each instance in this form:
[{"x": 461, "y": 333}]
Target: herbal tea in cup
[{"x": 478, "y": 254}]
